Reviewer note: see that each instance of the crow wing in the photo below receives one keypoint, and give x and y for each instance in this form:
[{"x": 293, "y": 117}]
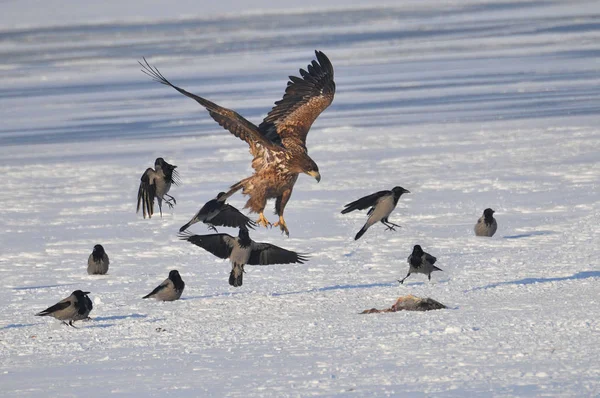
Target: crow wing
[
  {"x": 61, "y": 305},
  {"x": 429, "y": 258},
  {"x": 228, "y": 119},
  {"x": 171, "y": 175},
  {"x": 157, "y": 289},
  {"x": 365, "y": 202},
  {"x": 266, "y": 254},
  {"x": 229, "y": 216},
  {"x": 84, "y": 306},
  {"x": 146, "y": 193},
  {"x": 220, "y": 245},
  {"x": 303, "y": 101}
]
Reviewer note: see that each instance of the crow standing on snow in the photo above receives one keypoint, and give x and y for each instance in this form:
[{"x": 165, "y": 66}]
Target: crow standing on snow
[
  {"x": 74, "y": 308},
  {"x": 242, "y": 250},
  {"x": 420, "y": 263},
  {"x": 98, "y": 261},
  {"x": 217, "y": 212},
  {"x": 382, "y": 204},
  {"x": 156, "y": 183},
  {"x": 170, "y": 289},
  {"x": 486, "y": 225}
]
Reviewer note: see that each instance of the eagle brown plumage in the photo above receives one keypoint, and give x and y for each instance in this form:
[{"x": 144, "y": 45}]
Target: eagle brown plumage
[{"x": 278, "y": 144}]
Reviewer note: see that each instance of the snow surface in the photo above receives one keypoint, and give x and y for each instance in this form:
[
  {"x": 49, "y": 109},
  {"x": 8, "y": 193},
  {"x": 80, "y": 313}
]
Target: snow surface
[{"x": 467, "y": 104}]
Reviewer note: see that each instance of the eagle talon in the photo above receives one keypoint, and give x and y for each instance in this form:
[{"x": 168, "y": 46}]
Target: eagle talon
[
  {"x": 281, "y": 224},
  {"x": 262, "y": 221}
]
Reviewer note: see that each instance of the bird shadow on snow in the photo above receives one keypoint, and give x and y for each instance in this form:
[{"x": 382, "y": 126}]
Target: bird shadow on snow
[
  {"x": 40, "y": 287},
  {"x": 224, "y": 294},
  {"x": 117, "y": 317},
  {"x": 530, "y": 281},
  {"x": 529, "y": 234},
  {"x": 337, "y": 287},
  {"x": 17, "y": 326}
]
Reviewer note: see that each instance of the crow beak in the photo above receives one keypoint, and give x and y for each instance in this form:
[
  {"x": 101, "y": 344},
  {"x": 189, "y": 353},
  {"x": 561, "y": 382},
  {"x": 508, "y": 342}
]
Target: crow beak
[
  {"x": 86, "y": 292},
  {"x": 315, "y": 175},
  {"x": 406, "y": 191}
]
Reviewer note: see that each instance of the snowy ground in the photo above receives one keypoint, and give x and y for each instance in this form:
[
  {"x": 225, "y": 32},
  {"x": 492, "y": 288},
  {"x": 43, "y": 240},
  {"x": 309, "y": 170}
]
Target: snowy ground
[{"x": 469, "y": 105}]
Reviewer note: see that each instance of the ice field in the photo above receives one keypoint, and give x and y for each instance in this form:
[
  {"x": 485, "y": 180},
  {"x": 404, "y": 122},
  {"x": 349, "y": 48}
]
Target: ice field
[{"x": 468, "y": 105}]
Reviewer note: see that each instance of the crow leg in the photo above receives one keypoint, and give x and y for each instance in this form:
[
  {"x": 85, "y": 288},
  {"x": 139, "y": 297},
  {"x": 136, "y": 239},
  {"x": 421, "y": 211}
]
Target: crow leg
[
  {"x": 402, "y": 281},
  {"x": 389, "y": 227},
  {"x": 171, "y": 199}
]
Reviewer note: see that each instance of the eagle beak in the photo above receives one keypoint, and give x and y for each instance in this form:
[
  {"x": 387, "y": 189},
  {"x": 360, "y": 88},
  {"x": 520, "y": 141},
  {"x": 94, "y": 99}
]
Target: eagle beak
[{"x": 315, "y": 175}]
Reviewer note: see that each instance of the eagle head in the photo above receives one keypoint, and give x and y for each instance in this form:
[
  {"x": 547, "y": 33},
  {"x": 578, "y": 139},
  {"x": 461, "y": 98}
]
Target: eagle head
[{"x": 312, "y": 169}]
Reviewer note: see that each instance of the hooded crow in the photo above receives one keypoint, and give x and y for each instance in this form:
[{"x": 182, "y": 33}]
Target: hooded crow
[
  {"x": 98, "y": 261},
  {"x": 382, "y": 204},
  {"x": 156, "y": 183},
  {"x": 486, "y": 225},
  {"x": 170, "y": 289},
  {"x": 242, "y": 250},
  {"x": 420, "y": 263},
  {"x": 217, "y": 212},
  {"x": 74, "y": 308}
]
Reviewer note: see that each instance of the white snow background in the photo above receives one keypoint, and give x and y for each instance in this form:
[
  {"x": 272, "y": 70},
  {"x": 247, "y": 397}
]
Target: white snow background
[{"x": 468, "y": 105}]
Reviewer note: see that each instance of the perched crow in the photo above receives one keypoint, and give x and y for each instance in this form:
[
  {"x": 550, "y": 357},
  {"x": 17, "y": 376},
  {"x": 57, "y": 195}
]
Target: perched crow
[
  {"x": 420, "y": 263},
  {"x": 98, "y": 261},
  {"x": 170, "y": 289},
  {"x": 486, "y": 225},
  {"x": 242, "y": 250},
  {"x": 74, "y": 308},
  {"x": 156, "y": 183},
  {"x": 217, "y": 212},
  {"x": 382, "y": 204}
]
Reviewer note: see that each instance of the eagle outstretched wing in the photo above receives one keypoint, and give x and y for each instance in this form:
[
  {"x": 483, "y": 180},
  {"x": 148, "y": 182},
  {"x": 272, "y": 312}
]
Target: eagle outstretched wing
[
  {"x": 228, "y": 119},
  {"x": 304, "y": 100}
]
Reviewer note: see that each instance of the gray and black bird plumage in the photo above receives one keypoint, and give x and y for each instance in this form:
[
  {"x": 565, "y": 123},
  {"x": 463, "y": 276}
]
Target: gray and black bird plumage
[
  {"x": 73, "y": 308},
  {"x": 156, "y": 183},
  {"x": 242, "y": 250},
  {"x": 218, "y": 213},
  {"x": 420, "y": 263},
  {"x": 382, "y": 204},
  {"x": 98, "y": 261},
  {"x": 170, "y": 289},
  {"x": 486, "y": 225}
]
